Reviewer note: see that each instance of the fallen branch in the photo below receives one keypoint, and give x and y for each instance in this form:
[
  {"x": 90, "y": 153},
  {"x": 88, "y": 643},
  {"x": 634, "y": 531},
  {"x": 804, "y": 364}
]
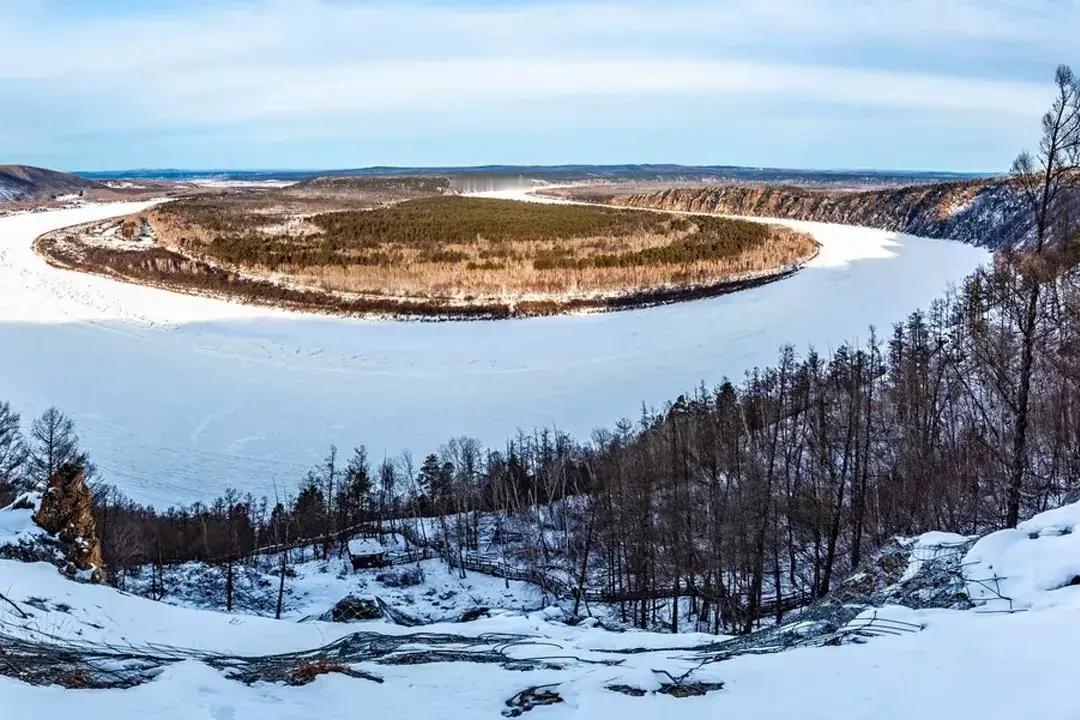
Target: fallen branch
[{"x": 18, "y": 609}]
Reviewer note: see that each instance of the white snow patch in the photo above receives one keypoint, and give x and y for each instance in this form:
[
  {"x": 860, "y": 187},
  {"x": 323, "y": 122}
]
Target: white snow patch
[
  {"x": 365, "y": 546},
  {"x": 226, "y": 183},
  {"x": 926, "y": 546},
  {"x": 17, "y": 525},
  {"x": 958, "y": 664},
  {"x": 962, "y": 664},
  {"x": 439, "y": 594},
  {"x": 1036, "y": 564}
]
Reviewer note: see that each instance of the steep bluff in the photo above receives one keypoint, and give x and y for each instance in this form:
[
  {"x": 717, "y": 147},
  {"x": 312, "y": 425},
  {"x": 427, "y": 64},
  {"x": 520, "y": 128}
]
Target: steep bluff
[{"x": 989, "y": 213}]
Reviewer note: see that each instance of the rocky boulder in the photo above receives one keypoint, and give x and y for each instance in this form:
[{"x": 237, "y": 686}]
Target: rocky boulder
[
  {"x": 66, "y": 511},
  {"x": 917, "y": 572},
  {"x": 354, "y": 609}
]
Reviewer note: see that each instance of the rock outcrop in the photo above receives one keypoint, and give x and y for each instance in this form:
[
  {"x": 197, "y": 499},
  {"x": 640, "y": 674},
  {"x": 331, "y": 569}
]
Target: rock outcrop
[
  {"x": 66, "y": 511},
  {"x": 353, "y": 609},
  {"x": 919, "y": 572},
  {"x": 989, "y": 213}
]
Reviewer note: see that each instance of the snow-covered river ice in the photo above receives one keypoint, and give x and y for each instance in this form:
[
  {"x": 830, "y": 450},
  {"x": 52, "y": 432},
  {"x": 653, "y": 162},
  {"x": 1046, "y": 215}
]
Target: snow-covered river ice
[{"x": 178, "y": 397}]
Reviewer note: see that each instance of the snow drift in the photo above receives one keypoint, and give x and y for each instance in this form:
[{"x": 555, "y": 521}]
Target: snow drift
[{"x": 959, "y": 663}]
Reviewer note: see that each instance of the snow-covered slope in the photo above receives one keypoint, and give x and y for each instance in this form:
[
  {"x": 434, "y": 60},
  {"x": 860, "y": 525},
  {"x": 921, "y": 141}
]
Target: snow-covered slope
[
  {"x": 975, "y": 663},
  {"x": 1034, "y": 566},
  {"x": 19, "y": 183},
  {"x": 177, "y": 396},
  {"x": 425, "y": 593}
]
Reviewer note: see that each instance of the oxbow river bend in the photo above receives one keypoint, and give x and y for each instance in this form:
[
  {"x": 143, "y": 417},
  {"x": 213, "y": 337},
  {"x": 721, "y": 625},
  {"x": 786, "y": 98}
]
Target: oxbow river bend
[{"x": 178, "y": 397}]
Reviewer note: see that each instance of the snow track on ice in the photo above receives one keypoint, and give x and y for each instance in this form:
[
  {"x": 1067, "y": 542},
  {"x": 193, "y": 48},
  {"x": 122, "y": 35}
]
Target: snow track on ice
[{"x": 177, "y": 397}]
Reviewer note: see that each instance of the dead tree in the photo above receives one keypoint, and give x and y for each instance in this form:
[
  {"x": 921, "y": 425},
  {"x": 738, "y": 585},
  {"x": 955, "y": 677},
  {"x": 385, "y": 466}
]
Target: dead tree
[{"x": 1045, "y": 180}]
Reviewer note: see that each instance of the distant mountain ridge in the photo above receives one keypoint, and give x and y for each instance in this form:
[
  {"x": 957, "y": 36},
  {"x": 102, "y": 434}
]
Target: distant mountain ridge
[
  {"x": 567, "y": 173},
  {"x": 25, "y": 183}
]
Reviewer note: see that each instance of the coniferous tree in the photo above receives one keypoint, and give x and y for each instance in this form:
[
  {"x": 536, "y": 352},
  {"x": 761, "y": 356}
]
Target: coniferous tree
[
  {"x": 13, "y": 452},
  {"x": 53, "y": 444}
]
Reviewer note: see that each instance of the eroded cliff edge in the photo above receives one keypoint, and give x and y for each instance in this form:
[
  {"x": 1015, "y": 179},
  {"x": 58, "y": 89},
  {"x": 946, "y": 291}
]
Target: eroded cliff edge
[{"x": 988, "y": 213}]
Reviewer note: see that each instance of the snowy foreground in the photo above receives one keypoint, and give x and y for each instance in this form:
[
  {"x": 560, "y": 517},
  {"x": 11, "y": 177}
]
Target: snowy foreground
[
  {"x": 177, "y": 397},
  {"x": 978, "y": 663}
]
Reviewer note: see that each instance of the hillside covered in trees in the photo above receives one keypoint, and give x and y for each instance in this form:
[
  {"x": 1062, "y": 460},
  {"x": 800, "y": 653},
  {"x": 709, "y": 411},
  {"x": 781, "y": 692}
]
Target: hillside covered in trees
[
  {"x": 776, "y": 485},
  {"x": 988, "y": 212},
  {"x": 963, "y": 418}
]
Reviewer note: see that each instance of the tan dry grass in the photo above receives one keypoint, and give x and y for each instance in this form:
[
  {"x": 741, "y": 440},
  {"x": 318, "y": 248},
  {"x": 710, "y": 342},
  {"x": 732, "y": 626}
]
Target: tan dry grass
[
  {"x": 519, "y": 277},
  {"x": 490, "y": 269}
]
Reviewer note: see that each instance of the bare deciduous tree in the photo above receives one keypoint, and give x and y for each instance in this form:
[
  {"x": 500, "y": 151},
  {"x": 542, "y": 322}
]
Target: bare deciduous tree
[{"x": 1045, "y": 179}]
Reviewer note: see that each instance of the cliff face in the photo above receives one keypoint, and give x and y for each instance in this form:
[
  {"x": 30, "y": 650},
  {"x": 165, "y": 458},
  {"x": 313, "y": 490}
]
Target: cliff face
[{"x": 988, "y": 213}]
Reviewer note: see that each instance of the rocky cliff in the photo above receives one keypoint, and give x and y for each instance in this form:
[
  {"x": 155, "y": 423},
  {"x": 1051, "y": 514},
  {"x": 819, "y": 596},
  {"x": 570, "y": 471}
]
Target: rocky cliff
[
  {"x": 66, "y": 511},
  {"x": 988, "y": 213}
]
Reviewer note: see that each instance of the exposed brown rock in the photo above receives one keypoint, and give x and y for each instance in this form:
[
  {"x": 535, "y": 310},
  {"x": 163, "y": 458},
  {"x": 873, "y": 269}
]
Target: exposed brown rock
[
  {"x": 990, "y": 212},
  {"x": 66, "y": 511}
]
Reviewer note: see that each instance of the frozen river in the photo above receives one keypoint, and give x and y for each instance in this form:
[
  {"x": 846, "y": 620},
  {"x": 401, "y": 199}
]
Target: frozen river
[{"x": 178, "y": 397}]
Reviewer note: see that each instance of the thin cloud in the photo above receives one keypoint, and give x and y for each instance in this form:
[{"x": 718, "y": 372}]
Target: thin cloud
[
  {"x": 242, "y": 95},
  {"x": 87, "y": 71}
]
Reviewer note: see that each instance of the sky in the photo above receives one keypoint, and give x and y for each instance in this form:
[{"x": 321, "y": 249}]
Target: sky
[{"x": 903, "y": 84}]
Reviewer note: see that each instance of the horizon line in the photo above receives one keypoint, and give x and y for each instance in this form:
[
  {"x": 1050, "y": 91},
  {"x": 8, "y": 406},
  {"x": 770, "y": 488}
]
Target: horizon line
[{"x": 540, "y": 167}]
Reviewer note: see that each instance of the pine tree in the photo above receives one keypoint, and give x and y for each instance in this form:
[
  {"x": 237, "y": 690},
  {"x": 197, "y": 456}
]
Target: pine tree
[
  {"x": 54, "y": 443},
  {"x": 13, "y": 451}
]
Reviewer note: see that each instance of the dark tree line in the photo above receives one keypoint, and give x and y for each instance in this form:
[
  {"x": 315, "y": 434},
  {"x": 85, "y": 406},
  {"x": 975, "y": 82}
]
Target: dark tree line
[
  {"x": 776, "y": 485},
  {"x": 965, "y": 418}
]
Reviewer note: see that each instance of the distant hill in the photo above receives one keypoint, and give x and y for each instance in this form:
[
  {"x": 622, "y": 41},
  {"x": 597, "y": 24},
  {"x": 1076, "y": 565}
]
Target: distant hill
[
  {"x": 569, "y": 173},
  {"x": 24, "y": 183}
]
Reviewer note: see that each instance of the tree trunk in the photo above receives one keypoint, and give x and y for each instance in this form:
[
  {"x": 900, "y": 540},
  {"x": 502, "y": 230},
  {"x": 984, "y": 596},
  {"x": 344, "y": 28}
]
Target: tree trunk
[{"x": 1019, "y": 449}]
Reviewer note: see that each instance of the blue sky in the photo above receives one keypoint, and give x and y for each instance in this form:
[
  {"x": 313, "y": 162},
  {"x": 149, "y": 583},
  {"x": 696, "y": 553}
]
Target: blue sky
[{"x": 919, "y": 84}]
